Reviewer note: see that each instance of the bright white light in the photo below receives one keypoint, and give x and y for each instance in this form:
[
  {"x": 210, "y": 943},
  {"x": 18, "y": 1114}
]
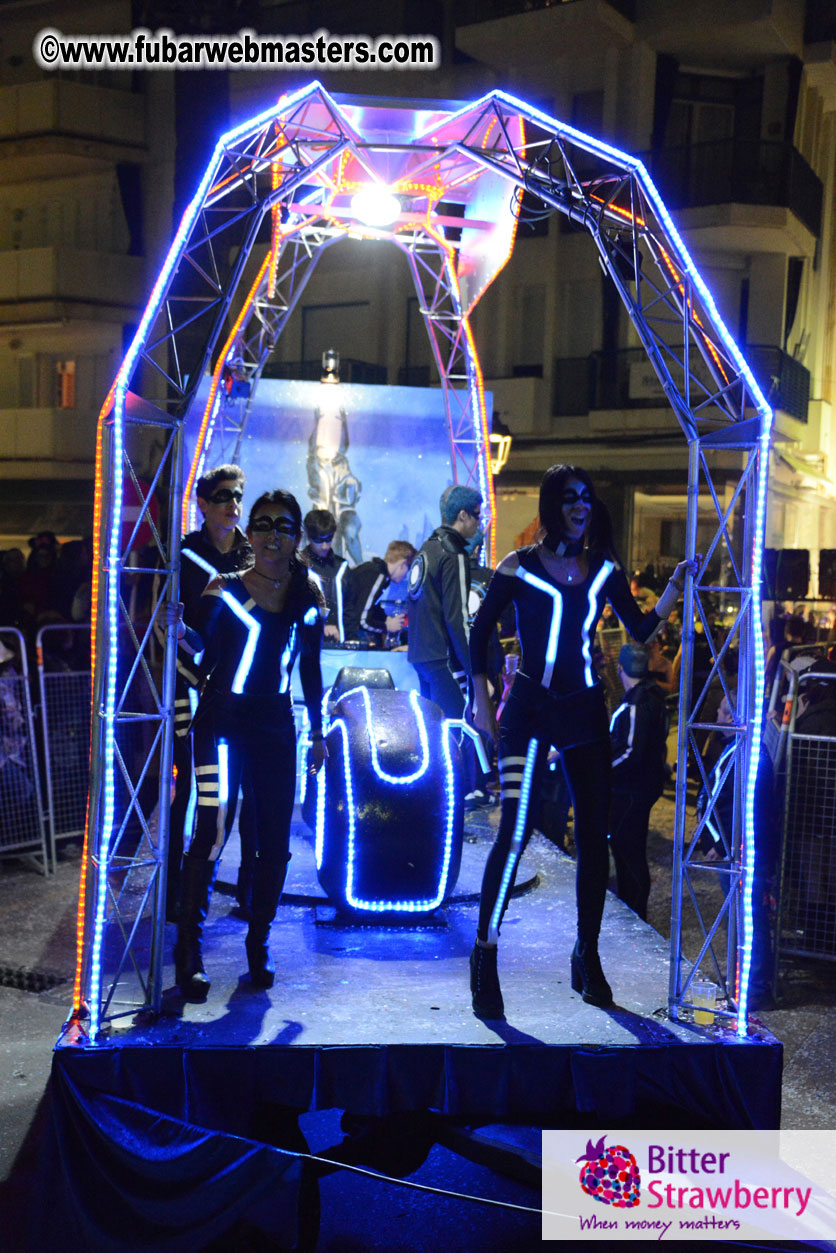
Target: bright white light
[{"x": 375, "y": 206}]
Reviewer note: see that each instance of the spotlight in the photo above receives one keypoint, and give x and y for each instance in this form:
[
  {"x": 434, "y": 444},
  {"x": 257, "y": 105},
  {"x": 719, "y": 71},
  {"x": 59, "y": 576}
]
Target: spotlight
[
  {"x": 330, "y": 366},
  {"x": 375, "y": 206}
]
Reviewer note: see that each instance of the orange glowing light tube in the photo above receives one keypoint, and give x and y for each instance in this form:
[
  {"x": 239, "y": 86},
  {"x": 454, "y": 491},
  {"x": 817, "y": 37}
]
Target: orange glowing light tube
[{"x": 216, "y": 378}]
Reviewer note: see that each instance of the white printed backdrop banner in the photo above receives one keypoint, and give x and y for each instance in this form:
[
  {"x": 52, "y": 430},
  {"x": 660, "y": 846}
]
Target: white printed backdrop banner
[{"x": 689, "y": 1185}]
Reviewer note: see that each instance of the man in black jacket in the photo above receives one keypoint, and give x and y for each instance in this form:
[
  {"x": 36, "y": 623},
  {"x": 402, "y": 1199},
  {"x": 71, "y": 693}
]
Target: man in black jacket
[
  {"x": 439, "y": 623},
  {"x": 638, "y": 735},
  {"x": 439, "y": 586}
]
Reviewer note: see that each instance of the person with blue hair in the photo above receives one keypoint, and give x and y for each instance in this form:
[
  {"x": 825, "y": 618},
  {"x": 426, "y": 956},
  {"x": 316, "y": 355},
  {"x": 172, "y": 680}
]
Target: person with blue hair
[{"x": 439, "y": 619}]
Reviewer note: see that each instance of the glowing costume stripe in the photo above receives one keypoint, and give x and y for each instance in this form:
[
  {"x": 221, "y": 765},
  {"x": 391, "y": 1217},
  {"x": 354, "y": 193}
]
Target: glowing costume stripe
[
  {"x": 463, "y": 591},
  {"x": 188, "y": 825},
  {"x": 311, "y": 616},
  {"x": 287, "y": 660},
  {"x": 223, "y": 797},
  {"x": 253, "y": 632},
  {"x": 200, "y": 561},
  {"x": 516, "y": 843},
  {"x": 554, "y": 629},
  {"x": 338, "y": 587},
  {"x": 630, "y": 735},
  {"x": 597, "y": 583}
]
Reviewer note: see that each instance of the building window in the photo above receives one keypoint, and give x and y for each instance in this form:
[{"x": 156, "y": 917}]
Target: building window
[{"x": 65, "y": 384}]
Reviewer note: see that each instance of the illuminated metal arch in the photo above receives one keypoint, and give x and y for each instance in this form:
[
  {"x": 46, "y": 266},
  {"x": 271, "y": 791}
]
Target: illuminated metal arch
[{"x": 299, "y": 163}]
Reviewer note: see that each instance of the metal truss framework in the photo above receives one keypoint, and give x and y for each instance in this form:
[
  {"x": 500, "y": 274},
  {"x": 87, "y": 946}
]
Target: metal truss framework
[{"x": 279, "y": 187}]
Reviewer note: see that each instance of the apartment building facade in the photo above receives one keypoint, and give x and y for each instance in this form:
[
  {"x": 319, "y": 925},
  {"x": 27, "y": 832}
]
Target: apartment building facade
[{"x": 733, "y": 107}]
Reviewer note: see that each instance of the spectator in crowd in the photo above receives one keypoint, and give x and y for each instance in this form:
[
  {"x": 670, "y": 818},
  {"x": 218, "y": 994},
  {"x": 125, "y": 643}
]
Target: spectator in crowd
[
  {"x": 794, "y": 631},
  {"x": 11, "y": 573},
  {"x": 815, "y": 846},
  {"x": 36, "y": 585},
  {"x": 817, "y": 701},
  {"x": 638, "y": 737},
  {"x": 644, "y": 596},
  {"x": 73, "y": 570},
  {"x": 660, "y": 667},
  {"x": 367, "y": 591},
  {"x": 329, "y": 569}
]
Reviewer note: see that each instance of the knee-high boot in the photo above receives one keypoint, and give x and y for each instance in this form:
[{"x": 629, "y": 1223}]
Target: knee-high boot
[
  {"x": 196, "y": 882},
  {"x": 267, "y": 890}
]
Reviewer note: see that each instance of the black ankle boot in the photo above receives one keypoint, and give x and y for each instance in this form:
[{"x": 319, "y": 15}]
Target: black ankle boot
[
  {"x": 244, "y": 891},
  {"x": 484, "y": 982},
  {"x": 588, "y": 977},
  {"x": 195, "y": 888},
  {"x": 262, "y": 967},
  {"x": 267, "y": 891}
]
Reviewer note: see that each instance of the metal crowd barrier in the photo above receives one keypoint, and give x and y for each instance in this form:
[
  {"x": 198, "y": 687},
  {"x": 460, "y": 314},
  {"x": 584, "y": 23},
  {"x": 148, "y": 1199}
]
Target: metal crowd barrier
[
  {"x": 806, "y": 913},
  {"x": 783, "y": 699},
  {"x": 22, "y": 827},
  {"x": 63, "y": 652}
]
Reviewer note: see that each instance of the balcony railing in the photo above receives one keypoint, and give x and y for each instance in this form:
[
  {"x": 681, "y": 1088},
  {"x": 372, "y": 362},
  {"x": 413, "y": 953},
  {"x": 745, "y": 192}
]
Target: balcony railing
[
  {"x": 351, "y": 371},
  {"x": 627, "y": 380},
  {"x": 738, "y": 171},
  {"x": 469, "y": 12},
  {"x": 784, "y": 381}
]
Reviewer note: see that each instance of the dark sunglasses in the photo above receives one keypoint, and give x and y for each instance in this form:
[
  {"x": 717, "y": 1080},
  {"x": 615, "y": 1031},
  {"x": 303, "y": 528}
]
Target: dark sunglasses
[
  {"x": 225, "y": 494},
  {"x": 322, "y": 539},
  {"x": 281, "y": 526},
  {"x": 572, "y": 497},
  {"x": 476, "y": 514}
]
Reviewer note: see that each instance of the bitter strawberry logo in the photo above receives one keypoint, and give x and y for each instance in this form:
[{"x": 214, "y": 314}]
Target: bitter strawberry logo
[{"x": 610, "y": 1174}]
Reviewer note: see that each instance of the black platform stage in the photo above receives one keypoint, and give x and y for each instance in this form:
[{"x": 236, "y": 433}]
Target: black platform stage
[{"x": 375, "y": 1020}]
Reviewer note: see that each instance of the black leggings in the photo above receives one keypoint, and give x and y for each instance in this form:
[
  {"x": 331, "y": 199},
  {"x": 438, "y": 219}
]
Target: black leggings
[
  {"x": 259, "y": 740},
  {"x": 530, "y": 722}
]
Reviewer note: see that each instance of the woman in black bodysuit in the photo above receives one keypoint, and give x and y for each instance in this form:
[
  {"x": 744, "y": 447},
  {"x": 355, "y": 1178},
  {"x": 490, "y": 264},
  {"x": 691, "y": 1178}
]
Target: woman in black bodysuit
[
  {"x": 558, "y": 587},
  {"x": 252, "y": 624}
]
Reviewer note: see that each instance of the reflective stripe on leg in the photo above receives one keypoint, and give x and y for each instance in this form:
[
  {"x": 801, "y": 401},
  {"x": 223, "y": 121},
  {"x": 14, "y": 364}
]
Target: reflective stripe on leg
[
  {"x": 516, "y": 843},
  {"x": 223, "y": 796}
]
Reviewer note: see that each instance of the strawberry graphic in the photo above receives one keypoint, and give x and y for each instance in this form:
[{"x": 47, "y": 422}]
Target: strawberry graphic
[{"x": 610, "y": 1174}]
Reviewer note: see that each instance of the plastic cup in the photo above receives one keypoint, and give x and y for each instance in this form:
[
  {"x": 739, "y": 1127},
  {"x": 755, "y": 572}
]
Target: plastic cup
[{"x": 704, "y": 994}]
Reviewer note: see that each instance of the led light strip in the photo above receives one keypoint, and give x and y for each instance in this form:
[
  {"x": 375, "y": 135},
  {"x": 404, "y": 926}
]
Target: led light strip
[
  {"x": 387, "y": 906},
  {"x": 589, "y": 622},
  {"x": 338, "y": 585},
  {"x": 422, "y": 736},
  {"x": 287, "y": 660}
]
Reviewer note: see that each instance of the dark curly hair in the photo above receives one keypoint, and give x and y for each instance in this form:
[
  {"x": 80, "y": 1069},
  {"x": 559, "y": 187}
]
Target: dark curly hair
[
  {"x": 207, "y": 482},
  {"x": 552, "y": 487}
]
